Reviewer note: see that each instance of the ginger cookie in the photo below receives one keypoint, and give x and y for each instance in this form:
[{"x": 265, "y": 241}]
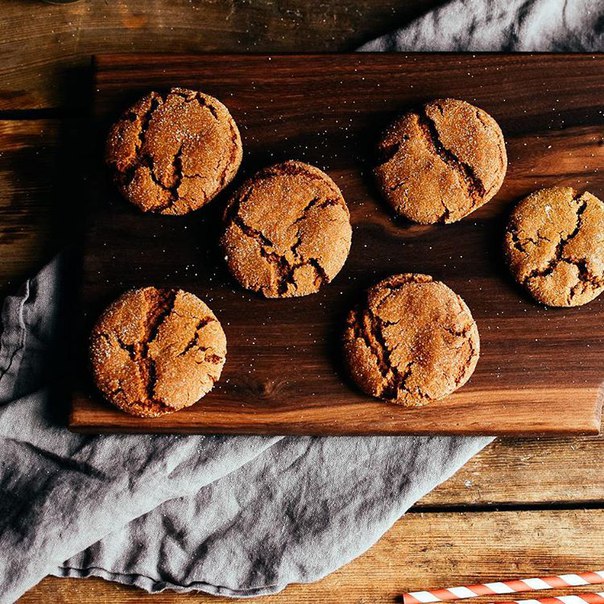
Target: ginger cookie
[
  {"x": 287, "y": 231},
  {"x": 411, "y": 341},
  {"x": 554, "y": 243},
  {"x": 442, "y": 162},
  {"x": 154, "y": 351},
  {"x": 172, "y": 153}
]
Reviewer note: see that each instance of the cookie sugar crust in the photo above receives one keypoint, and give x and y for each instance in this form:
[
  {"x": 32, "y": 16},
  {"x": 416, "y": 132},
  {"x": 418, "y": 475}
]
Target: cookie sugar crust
[
  {"x": 411, "y": 341},
  {"x": 287, "y": 231},
  {"x": 171, "y": 153},
  {"x": 154, "y": 351},
  {"x": 441, "y": 162},
  {"x": 554, "y": 244}
]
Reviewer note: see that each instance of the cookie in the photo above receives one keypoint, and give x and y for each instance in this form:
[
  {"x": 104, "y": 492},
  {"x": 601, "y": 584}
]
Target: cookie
[
  {"x": 411, "y": 341},
  {"x": 554, "y": 244},
  {"x": 442, "y": 162},
  {"x": 287, "y": 231},
  {"x": 154, "y": 351},
  {"x": 172, "y": 153}
]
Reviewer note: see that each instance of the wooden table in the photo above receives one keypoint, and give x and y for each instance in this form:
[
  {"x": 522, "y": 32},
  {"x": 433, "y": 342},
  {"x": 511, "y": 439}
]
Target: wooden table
[{"x": 520, "y": 508}]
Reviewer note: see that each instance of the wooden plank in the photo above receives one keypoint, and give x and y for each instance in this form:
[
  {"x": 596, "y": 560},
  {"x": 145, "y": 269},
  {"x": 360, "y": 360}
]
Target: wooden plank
[
  {"x": 27, "y": 231},
  {"x": 421, "y": 551},
  {"x": 46, "y": 48},
  {"x": 283, "y": 353},
  {"x": 527, "y": 472}
]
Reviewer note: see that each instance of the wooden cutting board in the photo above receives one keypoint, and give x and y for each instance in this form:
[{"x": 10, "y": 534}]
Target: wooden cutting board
[{"x": 540, "y": 370}]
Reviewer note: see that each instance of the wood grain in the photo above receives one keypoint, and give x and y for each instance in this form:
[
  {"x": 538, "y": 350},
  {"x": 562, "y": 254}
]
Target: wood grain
[
  {"x": 46, "y": 48},
  {"x": 508, "y": 472},
  {"x": 527, "y": 472},
  {"x": 283, "y": 374},
  {"x": 421, "y": 551},
  {"x": 28, "y": 163}
]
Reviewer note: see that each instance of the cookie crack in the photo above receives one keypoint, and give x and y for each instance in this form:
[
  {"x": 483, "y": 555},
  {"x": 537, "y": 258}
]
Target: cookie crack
[
  {"x": 387, "y": 151},
  {"x": 397, "y": 185},
  {"x": 138, "y": 352},
  {"x": 283, "y": 268},
  {"x": 521, "y": 241},
  {"x": 446, "y": 212},
  {"x": 558, "y": 255},
  {"x": 473, "y": 184},
  {"x": 364, "y": 328},
  {"x": 140, "y": 158},
  {"x": 116, "y": 391},
  {"x": 177, "y": 177},
  {"x": 370, "y": 330},
  {"x": 319, "y": 202},
  {"x": 253, "y": 233},
  {"x": 156, "y": 101},
  {"x": 585, "y": 278},
  {"x": 463, "y": 368},
  {"x": 232, "y": 210},
  {"x": 177, "y": 173},
  {"x": 196, "y": 97},
  {"x": 321, "y": 276},
  {"x": 463, "y": 333},
  {"x": 195, "y": 341},
  {"x": 312, "y": 203},
  {"x": 266, "y": 246},
  {"x": 516, "y": 241},
  {"x": 143, "y": 126},
  {"x": 203, "y": 103},
  {"x": 157, "y": 312},
  {"x": 232, "y": 132},
  {"x": 398, "y": 383},
  {"x": 135, "y": 160},
  {"x": 131, "y": 349},
  {"x": 147, "y": 161},
  {"x": 214, "y": 359}
]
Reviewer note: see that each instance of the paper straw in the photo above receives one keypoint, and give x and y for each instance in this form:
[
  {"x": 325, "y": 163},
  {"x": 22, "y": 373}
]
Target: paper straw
[
  {"x": 505, "y": 587},
  {"x": 585, "y": 598}
]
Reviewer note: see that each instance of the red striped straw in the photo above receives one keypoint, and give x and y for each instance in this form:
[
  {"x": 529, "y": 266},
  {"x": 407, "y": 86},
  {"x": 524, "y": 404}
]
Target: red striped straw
[
  {"x": 506, "y": 587},
  {"x": 586, "y": 598}
]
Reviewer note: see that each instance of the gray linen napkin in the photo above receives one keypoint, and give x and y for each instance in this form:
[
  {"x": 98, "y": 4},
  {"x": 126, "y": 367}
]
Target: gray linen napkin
[
  {"x": 502, "y": 25},
  {"x": 237, "y": 516}
]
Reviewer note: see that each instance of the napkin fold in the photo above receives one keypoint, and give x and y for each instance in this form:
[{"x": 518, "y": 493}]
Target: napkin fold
[
  {"x": 502, "y": 25},
  {"x": 231, "y": 515}
]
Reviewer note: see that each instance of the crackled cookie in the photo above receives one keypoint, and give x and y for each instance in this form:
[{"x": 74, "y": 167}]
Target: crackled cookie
[
  {"x": 441, "y": 162},
  {"x": 154, "y": 351},
  {"x": 287, "y": 231},
  {"x": 554, "y": 244},
  {"x": 172, "y": 153},
  {"x": 411, "y": 341}
]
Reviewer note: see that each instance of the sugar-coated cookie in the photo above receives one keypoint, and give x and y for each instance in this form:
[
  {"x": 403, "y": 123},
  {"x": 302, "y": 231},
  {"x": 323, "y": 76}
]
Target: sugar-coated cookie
[
  {"x": 154, "y": 351},
  {"x": 287, "y": 231},
  {"x": 554, "y": 244},
  {"x": 172, "y": 153},
  {"x": 442, "y": 162},
  {"x": 411, "y": 341}
]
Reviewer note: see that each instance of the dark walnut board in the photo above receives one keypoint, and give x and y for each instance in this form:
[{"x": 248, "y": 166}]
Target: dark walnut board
[{"x": 540, "y": 369}]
